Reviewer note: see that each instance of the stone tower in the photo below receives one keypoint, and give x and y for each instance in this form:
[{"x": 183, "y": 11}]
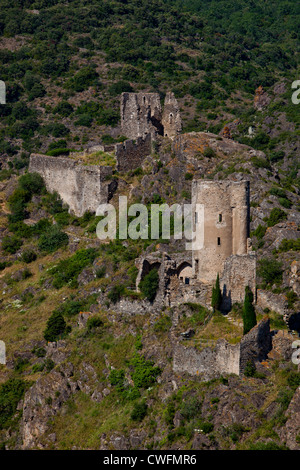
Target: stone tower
[
  {"x": 141, "y": 114},
  {"x": 221, "y": 216},
  {"x": 171, "y": 119}
]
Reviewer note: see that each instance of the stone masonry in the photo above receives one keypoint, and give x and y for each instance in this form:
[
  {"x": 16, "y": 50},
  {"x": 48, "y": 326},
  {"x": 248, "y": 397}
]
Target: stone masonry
[{"x": 82, "y": 187}]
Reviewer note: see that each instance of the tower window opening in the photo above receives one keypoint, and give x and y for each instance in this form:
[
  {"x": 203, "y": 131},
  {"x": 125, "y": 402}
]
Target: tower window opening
[
  {"x": 219, "y": 241},
  {"x": 220, "y": 217},
  {"x": 196, "y": 217}
]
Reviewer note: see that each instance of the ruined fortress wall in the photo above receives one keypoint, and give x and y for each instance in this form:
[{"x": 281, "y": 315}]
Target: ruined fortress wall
[
  {"x": 130, "y": 153},
  {"x": 171, "y": 119},
  {"x": 224, "y": 358},
  {"x": 83, "y": 188},
  {"x": 221, "y": 222},
  {"x": 140, "y": 114},
  {"x": 239, "y": 272}
]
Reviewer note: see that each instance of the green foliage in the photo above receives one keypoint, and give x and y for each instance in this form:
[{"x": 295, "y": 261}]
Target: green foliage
[
  {"x": 277, "y": 215},
  {"x": 53, "y": 239},
  {"x": 28, "y": 256},
  {"x": 216, "y": 298},
  {"x": 11, "y": 244},
  {"x": 144, "y": 373},
  {"x": 55, "y": 328},
  {"x": 119, "y": 87},
  {"x": 116, "y": 293},
  {"x": 270, "y": 270},
  {"x": 83, "y": 79},
  {"x": 289, "y": 245},
  {"x": 259, "y": 232},
  {"x": 67, "y": 270},
  {"x": 209, "y": 152},
  {"x": 249, "y": 316},
  {"x": 11, "y": 392},
  {"x": 250, "y": 369},
  {"x": 163, "y": 324},
  {"x": 190, "y": 408},
  {"x": 94, "y": 322},
  {"x": 139, "y": 411},
  {"x": 149, "y": 285}
]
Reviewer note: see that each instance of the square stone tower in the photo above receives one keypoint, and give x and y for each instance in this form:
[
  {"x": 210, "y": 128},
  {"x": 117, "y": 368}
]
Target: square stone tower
[
  {"x": 221, "y": 219},
  {"x": 141, "y": 114}
]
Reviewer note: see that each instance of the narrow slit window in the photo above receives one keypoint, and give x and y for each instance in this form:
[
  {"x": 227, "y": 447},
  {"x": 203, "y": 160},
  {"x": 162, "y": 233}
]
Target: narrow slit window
[
  {"x": 196, "y": 217},
  {"x": 220, "y": 217},
  {"x": 219, "y": 241}
]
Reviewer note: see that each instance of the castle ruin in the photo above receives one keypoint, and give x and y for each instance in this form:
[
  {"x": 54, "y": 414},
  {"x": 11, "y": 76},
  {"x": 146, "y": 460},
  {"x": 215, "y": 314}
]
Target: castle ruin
[{"x": 142, "y": 114}]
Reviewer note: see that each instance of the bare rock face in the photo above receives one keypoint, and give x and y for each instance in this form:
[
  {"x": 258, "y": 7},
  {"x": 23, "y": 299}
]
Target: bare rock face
[
  {"x": 291, "y": 429},
  {"x": 261, "y": 99},
  {"x": 41, "y": 402}
]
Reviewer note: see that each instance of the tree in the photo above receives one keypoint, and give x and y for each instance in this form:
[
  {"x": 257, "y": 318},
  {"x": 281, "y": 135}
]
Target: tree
[
  {"x": 216, "y": 298},
  {"x": 56, "y": 326},
  {"x": 249, "y": 316},
  {"x": 149, "y": 285}
]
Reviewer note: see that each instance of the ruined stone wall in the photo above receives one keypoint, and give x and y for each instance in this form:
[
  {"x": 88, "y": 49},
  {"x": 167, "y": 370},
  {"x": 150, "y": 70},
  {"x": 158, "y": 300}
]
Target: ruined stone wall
[
  {"x": 171, "y": 119},
  {"x": 208, "y": 363},
  {"x": 131, "y": 153},
  {"x": 140, "y": 114},
  {"x": 222, "y": 357},
  {"x": 221, "y": 222},
  {"x": 83, "y": 188},
  {"x": 239, "y": 272}
]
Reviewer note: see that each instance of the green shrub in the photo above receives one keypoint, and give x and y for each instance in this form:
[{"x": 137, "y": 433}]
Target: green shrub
[
  {"x": 11, "y": 392},
  {"x": 270, "y": 270},
  {"x": 249, "y": 316},
  {"x": 28, "y": 256},
  {"x": 250, "y": 369},
  {"x": 190, "y": 408},
  {"x": 276, "y": 216},
  {"x": 11, "y": 244},
  {"x": 289, "y": 245},
  {"x": 32, "y": 183},
  {"x": 259, "y": 232},
  {"x": 139, "y": 411},
  {"x": 209, "y": 153},
  {"x": 144, "y": 374},
  {"x": 94, "y": 322},
  {"x": 149, "y": 285},
  {"x": 67, "y": 270},
  {"x": 55, "y": 328},
  {"x": 53, "y": 239},
  {"x": 116, "y": 293}
]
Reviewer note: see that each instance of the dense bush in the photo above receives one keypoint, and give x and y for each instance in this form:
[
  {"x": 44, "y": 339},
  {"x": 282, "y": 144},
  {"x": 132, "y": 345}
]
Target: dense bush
[
  {"x": 277, "y": 215},
  {"x": 28, "y": 256},
  {"x": 67, "y": 270},
  {"x": 53, "y": 239},
  {"x": 139, "y": 411},
  {"x": 11, "y": 392},
  {"x": 55, "y": 328},
  {"x": 149, "y": 285},
  {"x": 11, "y": 244},
  {"x": 270, "y": 270}
]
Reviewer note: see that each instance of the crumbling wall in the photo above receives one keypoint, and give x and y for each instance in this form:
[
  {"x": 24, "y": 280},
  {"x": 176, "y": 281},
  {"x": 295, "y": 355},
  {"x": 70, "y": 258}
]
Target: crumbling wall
[
  {"x": 131, "y": 153},
  {"x": 222, "y": 357},
  {"x": 83, "y": 188},
  {"x": 171, "y": 119},
  {"x": 140, "y": 114},
  {"x": 208, "y": 363},
  {"x": 239, "y": 272}
]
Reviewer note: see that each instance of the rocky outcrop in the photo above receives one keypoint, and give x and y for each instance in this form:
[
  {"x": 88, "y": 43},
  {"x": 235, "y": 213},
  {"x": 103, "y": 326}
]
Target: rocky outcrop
[
  {"x": 42, "y": 402},
  {"x": 256, "y": 344},
  {"x": 290, "y": 432}
]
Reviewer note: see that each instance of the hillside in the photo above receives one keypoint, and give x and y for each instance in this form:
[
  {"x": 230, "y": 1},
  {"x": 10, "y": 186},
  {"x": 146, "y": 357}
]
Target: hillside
[{"x": 91, "y": 363}]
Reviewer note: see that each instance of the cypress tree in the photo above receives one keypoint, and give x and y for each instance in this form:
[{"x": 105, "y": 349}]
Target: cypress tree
[
  {"x": 249, "y": 316},
  {"x": 216, "y": 297}
]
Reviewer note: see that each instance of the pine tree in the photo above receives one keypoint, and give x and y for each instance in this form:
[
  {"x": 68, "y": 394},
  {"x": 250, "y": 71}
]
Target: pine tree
[
  {"x": 249, "y": 316},
  {"x": 216, "y": 298}
]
